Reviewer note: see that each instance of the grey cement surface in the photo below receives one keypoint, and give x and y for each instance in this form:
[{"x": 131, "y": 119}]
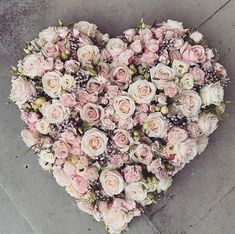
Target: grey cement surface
[{"x": 202, "y": 198}]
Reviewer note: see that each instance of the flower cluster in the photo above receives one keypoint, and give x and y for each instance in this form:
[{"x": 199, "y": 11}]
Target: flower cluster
[{"x": 115, "y": 118}]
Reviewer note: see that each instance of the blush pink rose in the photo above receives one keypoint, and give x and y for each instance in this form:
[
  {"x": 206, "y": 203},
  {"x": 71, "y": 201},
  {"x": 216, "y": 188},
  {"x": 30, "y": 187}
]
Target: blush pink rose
[
  {"x": 69, "y": 169},
  {"x": 68, "y": 99},
  {"x": 148, "y": 58},
  {"x": 198, "y": 74},
  {"x": 92, "y": 113},
  {"x": 112, "y": 91},
  {"x": 152, "y": 45},
  {"x": 117, "y": 161},
  {"x": 51, "y": 50},
  {"x": 193, "y": 54},
  {"x": 177, "y": 135},
  {"x": 94, "y": 85},
  {"x": 126, "y": 123},
  {"x": 61, "y": 149},
  {"x": 142, "y": 153},
  {"x": 80, "y": 184},
  {"x": 91, "y": 173},
  {"x": 132, "y": 173},
  {"x": 170, "y": 89},
  {"x": 158, "y": 32},
  {"x": 122, "y": 139},
  {"x": 125, "y": 57},
  {"x": 136, "y": 46}
]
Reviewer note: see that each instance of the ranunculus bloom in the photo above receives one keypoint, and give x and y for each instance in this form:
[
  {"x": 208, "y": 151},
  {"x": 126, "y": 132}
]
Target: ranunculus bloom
[
  {"x": 61, "y": 149},
  {"x": 92, "y": 113},
  {"x": 112, "y": 182},
  {"x": 68, "y": 82},
  {"x": 148, "y": 58},
  {"x": 80, "y": 184},
  {"x": 120, "y": 75},
  {"x": 142, "y": 153},
  {"x": 94, "y": 142},
  {"x": 142, "y": 91},
  {"x": 68, "y": 99}
]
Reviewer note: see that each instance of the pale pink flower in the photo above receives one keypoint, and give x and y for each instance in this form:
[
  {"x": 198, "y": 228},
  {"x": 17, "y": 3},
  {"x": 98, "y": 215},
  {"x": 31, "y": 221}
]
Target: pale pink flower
[{"x": 132, "y": 173}]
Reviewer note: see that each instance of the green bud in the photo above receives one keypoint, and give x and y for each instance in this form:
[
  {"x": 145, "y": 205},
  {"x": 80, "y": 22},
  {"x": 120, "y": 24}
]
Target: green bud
[
  {"x": 14, "y": 69},
  {"x": 164, "y": 110},
  {"x": 27, "y": 51},
  {"x": 157, "y": 108},
  {"x": 136, "y": 133},
  {"x": 61, "y": 23},
  {"x": 145, "y": 126}
]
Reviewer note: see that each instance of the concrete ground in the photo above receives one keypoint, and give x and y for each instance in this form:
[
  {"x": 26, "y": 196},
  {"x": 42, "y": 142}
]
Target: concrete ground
[{"x": 202, "y": 198}]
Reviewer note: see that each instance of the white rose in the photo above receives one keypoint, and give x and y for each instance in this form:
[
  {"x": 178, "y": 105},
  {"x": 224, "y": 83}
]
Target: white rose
[
  {"x": 94, "y": 142},
  {"x": 112, "y": 182},
  {"x": 61, "y": 177},
  {"x": 54, "y": 113},
  {"x": 68, "y": 82},
  {"x": 43, "y": 126},
  {"x": 30, "y": 138},
  {"x": 181, "y": 67},
  {"x": 116, "y": 219},
  {"x": 187, "y": 81},
  {"x": 162, "y": 72},
  {"x": 136, "y": 191},
  {"x": 86, "y": 28},
  {"x": 157, "y": 125},
  {"x": 88, "y": 53},
  {"x": 49, "y": 35},
  {"x": 142, "y": 91},
  {"x": 124, "y": 106},
  {"x": 163, "y": 185},
  {"x": 196, "y": 36},
  {"x": 51, "y": 83},
  {"x": 21, "y": 91},
  {"x": 212, "y": 94},
  {"x": 208, "y": 123},
  {"x": 202, "y": 142},
  {"x": 190, "y": 103},
  {"x": 33, "y": 65},
  {"x": 173, "y": 25},
  {"x": 47, "y": 156},
  {"x": 116, "y": 46}
]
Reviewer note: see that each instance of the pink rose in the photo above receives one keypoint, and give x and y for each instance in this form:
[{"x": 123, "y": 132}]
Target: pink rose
[
  {"x": 142, "y": 154},
  {"x": 125, "y": 57},
  {"x": 129, "y": 33},
  {"x": 158, "y": 32},
  {"x": 143, "y": 108},
  {"x": 51, "y": 50},
  {"x": 152, "y": 45},
  {"x": 120, "y": 75},
  {"x": 126, "y": 123},
  {"x": 132, "y": 173},
  {"x": 140, "y": 117},
  {"x": 117, "y": 161},
  {"x": 94, "y": 85},
  {"x": 198, "y": 74},
  {"x": 122, "y": 139},
  {"x": 91, "y": 173},
  {"x": 61, "y": 149},
  {"x": 92, "y": 113},
  {"x": 178, "y": 43},
  {"x": 148, "y": 58},
  {"x": 193, "y": 54},
  {"x": 69, "y": 169},
  {"x": 145, "y": 34},
  {"x": 156, "y": 167},
  {"x": 170, "y": 89},
  {"x": 63, "y": 32},
  {"x": 116, "y": 46},
  {"x": 177, "y": 135},
  {"x": 124, "y": 106},
  {"x": 68, "y": 99},
  {"x": 80, "y": 184},
  {"x": 175, "y": 55},
  {"x": 112, "y": 91},
  {"x": 136, "y": 46}
]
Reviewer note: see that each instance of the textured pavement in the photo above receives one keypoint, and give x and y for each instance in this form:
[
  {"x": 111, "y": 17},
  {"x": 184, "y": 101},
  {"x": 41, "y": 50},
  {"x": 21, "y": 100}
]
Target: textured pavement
[{"x": 202, "y": 198}]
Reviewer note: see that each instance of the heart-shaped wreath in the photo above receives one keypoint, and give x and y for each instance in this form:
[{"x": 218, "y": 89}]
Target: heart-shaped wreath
[{"x": 115, "y": 119}]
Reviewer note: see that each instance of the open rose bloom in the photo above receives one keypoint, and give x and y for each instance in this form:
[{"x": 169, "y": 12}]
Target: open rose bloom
[{"x": 115, "y": 119}]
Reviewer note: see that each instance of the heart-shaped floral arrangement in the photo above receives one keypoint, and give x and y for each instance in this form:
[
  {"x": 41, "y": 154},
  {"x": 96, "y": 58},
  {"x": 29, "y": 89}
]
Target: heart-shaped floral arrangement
[{"x": 115, "y": 119}]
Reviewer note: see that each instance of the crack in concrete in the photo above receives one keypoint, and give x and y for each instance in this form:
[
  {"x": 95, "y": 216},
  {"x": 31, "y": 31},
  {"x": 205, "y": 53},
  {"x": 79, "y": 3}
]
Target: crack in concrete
[
  {"x": 210, "y": 209},
  {"x": 20, "y": 211},
  {"x": 213, "y": 14}
]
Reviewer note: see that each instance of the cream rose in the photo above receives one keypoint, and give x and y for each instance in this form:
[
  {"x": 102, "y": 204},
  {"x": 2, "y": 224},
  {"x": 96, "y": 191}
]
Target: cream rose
[
  {"x": 30, "y": 138},
  {"x": 86, "y": 28},
  {"x": 142, "y": 153},
  {"x": 88, "y": 53},
  {"x": 43, "y": 126},
  {"x": 49, "y": 35},
  {"x": 162, "y": 72},
  {"x": 116, "y": 46},
  {"x": 92, "y": 113},
  {"x": 67, "y": 82},
  {"x": 157, "y": 125},
  {"x": 187, "y": 81},
  {"x": 120, "y": 75},
  {"x": 122, "y": 139},
  {"x": 47, "y": 156},
  {"x": 94, "y": 142},
  {"x": 124, "y": 106},
  {"x": 33, "y": 65},
  {"x": 136, "y": 191},
  {"x": 112, "y": 182},
  {"x": 21, "y": 91},
  {"x": 208, "y": 123},
  {"x": 190, "y": 103},
  {"x": 51, "y": 83},
  {"x": 212, "y": 94},
  {"x": 54, "y": 113},
  {"x": 116, "y": 219},
  {"x": 177, "y": 135},
  {"x": 142, "y": 91},
  {"x": 173, "y": 25}
]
